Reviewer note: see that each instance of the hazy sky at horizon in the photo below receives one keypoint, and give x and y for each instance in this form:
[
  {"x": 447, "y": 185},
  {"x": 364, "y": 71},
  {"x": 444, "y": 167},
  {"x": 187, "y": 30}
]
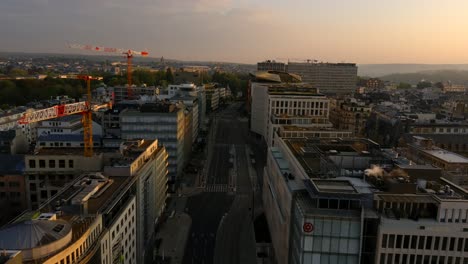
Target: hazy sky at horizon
[{"x": 361, "y": 31}]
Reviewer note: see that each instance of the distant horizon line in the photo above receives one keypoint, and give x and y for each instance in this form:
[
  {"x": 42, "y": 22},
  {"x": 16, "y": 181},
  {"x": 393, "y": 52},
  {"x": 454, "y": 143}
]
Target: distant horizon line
[{"x": 220, "y": 61}]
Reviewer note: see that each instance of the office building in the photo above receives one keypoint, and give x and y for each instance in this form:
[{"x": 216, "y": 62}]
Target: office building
[
  {"x": 271, "y": 65},
  {"x": 48, "y": 170},
  {"x": 191, "y": 104},
  {"x": 120, "y": 93},
  {"x": 314, "y": 206},
  {"x": 212, "y": 97},
  {"x": 350, "y": 115},
  {"x": 324, "y": 206},
  {"x": 330, "y": 78},
  {"x": 164, "y": 122},
  {"x": 423, "y": 151},
  {"x": 65, "y": 125},
  {"x": 187, "y": 93},
  {"x": 278, "y": 104}
]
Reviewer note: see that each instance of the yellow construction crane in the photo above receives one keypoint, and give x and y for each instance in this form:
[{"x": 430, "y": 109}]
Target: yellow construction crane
[{"x": 85, "y": 108}]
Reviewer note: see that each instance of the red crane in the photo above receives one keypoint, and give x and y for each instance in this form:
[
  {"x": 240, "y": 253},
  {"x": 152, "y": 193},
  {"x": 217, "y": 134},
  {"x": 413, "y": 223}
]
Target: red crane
[{"x": 129, "y": 53}]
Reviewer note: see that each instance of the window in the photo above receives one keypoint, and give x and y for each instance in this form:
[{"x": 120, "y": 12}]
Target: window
[
  {"x": 406, "y": 242},
  {"x": 42, "y": 164},
  {"x": 436, "y": 243},
  {"x": 452, "y": 244},
  {"x": 421, "y": 242},
  {"x": 444, "y": 243},
  {"x": 43, "y": 194},
  {"x": 32, "y": 164},
  {"x": 428, "y": 242},
  {"x": 51, "y": 163},
  {"x": 391, "y": 241},
  {"x": 61, "y": 163},
  {"x": 398, "y": 242},
  {"x": 384, "y": 241},
  {"x": 70, "y": 164},
  {"x": 14, "y": 184}
]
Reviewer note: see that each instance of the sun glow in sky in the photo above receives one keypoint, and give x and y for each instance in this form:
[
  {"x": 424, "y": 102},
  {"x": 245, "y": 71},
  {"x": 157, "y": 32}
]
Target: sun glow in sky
[{"x": 361, "y": 31}]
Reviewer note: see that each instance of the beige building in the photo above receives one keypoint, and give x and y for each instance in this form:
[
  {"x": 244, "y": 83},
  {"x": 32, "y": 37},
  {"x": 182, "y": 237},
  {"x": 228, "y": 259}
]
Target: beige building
[
  {"x": 107, "y": 216},
  {"x": 423, "y": 151},
  {"x": 49, "y": 169},
  {"x": 349, "y": 115}
]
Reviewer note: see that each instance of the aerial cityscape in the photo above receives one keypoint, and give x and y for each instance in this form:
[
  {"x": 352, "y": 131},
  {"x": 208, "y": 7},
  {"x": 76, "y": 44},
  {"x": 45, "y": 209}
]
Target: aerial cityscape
[{"x": 252, "y": 132}]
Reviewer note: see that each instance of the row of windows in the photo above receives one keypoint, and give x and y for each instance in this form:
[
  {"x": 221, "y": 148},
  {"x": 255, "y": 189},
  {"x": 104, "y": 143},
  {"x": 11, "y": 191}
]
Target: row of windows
[
  {"x": 10, "y": 184},
  {"x": 299, "y": 104},
  {"x": 51, "y": 177},
  {"x": 61, "y": 144},
  {"x": 10, "y": 195},
  {"x": 313, "y": 134},
  {"x": 425, "y": 242},
  {"x": 439, "y": 130},
  {"x": 75, "y": 255},
  {"x": 421, "y": 259},
  {"x": 302, "y": 112},
  {"x": 453, "y": 215},
  {"x": 51, "y": 164}
]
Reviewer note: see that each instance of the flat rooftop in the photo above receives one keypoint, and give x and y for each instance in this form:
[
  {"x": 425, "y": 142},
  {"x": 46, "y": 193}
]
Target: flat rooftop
[
  {"x": 96, "y": 201},
  {"x": 283, "y": 165},
  {"x": 306, "y": 206},
  {"x": 446, "y": 156},
  {"x": 44, "y": 151},
  {"x": 335, "y": 186}
]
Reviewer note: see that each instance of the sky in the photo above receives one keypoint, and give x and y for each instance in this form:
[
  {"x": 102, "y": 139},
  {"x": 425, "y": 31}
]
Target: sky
[{"x": 360, "y": 31}]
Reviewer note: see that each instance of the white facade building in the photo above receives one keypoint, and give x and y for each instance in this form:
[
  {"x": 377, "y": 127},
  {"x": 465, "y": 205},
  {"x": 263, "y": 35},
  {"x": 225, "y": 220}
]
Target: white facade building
[
  {"x": 118, "y": 243},
  {"x": 276, "y": 105},
  {"x": 66, "y": 125},
  {"x": 164, "y": 122}
]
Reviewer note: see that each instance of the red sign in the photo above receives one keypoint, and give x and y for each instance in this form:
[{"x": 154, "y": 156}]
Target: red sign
[{"x": 308, "y": 227}]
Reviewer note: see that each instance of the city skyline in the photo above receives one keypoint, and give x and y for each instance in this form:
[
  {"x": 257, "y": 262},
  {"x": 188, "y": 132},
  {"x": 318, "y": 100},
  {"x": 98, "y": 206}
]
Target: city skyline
[{"x": 360, "y": 31}]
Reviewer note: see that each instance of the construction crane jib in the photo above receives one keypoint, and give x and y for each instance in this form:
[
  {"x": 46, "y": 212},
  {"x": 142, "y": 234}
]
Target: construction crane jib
[
  {"x": 85, "y": 108},
  {"x": 129, "y": 53}
]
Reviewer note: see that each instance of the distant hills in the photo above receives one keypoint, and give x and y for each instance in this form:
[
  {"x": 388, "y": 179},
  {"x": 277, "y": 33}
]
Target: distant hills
[
  {"x": 455, "y": 76},
  {"x": 379, "y": 70},
  {"x": 413, "y": 73}
]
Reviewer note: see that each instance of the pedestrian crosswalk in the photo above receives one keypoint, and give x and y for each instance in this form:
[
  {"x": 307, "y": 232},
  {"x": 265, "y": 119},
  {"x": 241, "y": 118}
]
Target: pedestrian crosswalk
[{"x": 217, "y": 188}]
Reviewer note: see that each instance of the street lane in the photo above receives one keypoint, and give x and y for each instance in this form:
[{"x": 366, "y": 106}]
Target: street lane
[{"x": 232, "y": 241}]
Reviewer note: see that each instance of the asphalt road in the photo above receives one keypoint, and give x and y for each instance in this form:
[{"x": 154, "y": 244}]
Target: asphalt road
[{"x": 222, "y": 230}]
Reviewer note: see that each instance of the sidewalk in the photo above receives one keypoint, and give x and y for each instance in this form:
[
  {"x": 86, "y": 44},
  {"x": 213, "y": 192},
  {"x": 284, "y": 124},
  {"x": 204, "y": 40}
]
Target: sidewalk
[{"x": 173, "y": 236}]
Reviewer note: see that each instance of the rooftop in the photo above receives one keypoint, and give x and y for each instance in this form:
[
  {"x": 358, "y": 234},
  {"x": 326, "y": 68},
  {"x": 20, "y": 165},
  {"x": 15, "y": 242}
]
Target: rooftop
[
  {"x": 447, "y": 156},
  {"x": 93, "y": 189},
  {"x": 276, "y": 77},
  {"x": 33, "y": 233},
  {"x": 46, "y": 151},
  {"x": 293, "y": 183}
]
